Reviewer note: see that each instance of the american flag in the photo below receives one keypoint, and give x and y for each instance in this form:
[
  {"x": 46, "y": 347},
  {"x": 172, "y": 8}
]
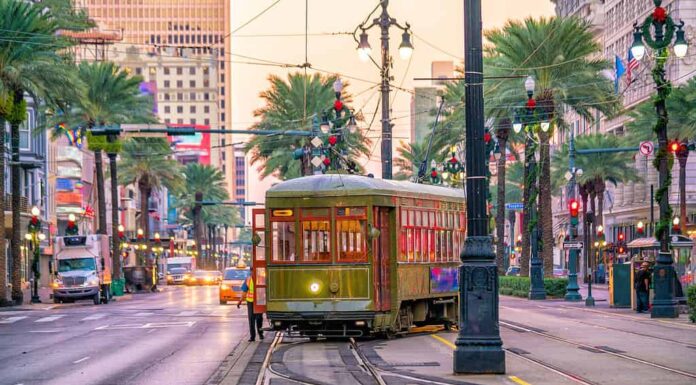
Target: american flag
[{"x": 632, "y": 64}]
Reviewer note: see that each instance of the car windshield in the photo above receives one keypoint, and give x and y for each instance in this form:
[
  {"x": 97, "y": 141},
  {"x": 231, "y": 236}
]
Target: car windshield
[
  {"x": 75, "y": 264},
  {"x": 172, "y": 266},
  {"x": 177, "y": 270},
  {"x": 201, "y": 273},
  {"x": 236, "y": 274}
]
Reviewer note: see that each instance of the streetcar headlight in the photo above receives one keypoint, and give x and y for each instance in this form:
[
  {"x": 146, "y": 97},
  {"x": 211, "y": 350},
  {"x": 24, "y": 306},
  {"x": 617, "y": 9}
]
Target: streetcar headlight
[
  {"x": 314, "y": 287},
  {"x": 359, "y": 323}
]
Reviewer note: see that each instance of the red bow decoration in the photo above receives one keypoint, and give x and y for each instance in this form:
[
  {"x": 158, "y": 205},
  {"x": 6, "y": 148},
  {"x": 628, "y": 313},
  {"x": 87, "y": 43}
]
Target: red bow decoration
[
  {"x": 659, "y": 15},
  {"x": 453, "y": 160},
  {"x": 34, "y": 221},
  {"x": 531, "y": 103},
  {"x": 487, "y": 137},
  {"x": 433, "y": 174},
  {"x": 333, "y": 140},
  {"x": 327, "y": 161},
  {"x": 338, "y": 105}
]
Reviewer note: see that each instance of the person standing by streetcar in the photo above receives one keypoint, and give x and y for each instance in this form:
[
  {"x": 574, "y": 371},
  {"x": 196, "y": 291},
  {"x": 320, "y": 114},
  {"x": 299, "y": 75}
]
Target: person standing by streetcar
[
  {"x": 642, "y": 286},
  {"x": 255, "y": 320}
]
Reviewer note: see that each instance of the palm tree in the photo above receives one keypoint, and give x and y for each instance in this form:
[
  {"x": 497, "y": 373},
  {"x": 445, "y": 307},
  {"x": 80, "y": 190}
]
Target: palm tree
[
  {"x": 598, "y": 170},
  {"x": 210, "y": 182},
  {"x": 564, "y": 58},
  {"x": 682, "y": 127},
  {"x": 512, "y": 188},
  {"x": 30, "y": 63},
  {"x": 292, "y": 104},
  {"x": 147, "y": 163},
  {"x": 111, "y": 97},
  {"x": 502, "y": 135}
]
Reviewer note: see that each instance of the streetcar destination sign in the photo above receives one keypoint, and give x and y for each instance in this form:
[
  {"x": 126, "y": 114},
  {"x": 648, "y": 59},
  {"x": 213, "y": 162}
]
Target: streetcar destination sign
[{"x": 572, "y": 245}]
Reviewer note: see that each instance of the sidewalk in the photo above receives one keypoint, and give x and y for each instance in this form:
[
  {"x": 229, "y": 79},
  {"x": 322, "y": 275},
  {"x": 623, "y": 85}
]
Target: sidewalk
[{"x": 47, "y": 300}]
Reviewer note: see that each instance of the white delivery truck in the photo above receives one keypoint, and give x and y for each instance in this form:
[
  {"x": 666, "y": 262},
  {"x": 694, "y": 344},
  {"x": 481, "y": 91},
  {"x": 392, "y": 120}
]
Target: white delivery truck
[{"x": 82, "y": 269}]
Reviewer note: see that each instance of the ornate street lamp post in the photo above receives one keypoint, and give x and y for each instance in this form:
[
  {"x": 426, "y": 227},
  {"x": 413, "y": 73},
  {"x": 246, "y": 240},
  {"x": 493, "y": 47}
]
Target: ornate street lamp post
[
  {"x": 657, "y": 32},
  {"x": 479, "y": 348},
  {"x": 572, "y": 289},
  {"x": 384, "y": 21},
  {"x": 35, "y": 236}
]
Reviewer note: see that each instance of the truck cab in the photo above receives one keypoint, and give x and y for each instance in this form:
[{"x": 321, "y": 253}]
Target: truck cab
[{"x": 82, "y": 269}]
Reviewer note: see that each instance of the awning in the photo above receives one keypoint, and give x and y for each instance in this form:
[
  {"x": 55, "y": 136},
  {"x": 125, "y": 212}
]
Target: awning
[{"x": 674, "y": 241}]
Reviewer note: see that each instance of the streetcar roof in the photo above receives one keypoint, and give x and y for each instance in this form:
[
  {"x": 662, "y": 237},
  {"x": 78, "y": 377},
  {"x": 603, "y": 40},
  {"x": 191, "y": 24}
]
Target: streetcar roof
[{"x": 343, "y": 185}]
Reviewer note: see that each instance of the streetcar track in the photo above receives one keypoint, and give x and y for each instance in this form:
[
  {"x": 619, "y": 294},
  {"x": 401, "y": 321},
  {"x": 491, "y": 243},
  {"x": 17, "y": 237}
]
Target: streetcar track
[
  {"x": 517, "y": 327},
  {"x": 552, "y": 368}
]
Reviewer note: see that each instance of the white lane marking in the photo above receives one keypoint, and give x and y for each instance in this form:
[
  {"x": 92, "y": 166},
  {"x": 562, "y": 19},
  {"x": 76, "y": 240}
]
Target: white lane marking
[
  {"x": 187, "y": 313},
  {"x": 81, "y": 360},
  {"x": 46, "y": 331},
  {"x": 150, "y": 331},
  {"x": 168, "y": 324},
  {"x": 143, "y": 314},
  {"x": 50, "y": 318},
  {"x": 94, "y": 317},
  {"x": 10, "y": 320}
]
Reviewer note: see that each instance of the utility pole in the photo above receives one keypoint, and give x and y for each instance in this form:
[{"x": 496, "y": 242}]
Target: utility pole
[
  {"x": 479, "y": 348},
  {"x": 197, "y": 236}
]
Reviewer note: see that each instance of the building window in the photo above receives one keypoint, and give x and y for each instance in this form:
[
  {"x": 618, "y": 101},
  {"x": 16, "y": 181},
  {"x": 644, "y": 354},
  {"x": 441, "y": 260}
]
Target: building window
[
  {"x": 179, "y": 70},
  {"x": 192, "y": 96},
  {"x": 167, "y": 121},
  {"x": 206, "y": 96},
  {"x": 166, "y": 70},
  {"x": 193, "y": 121},
  {"x": 180, "y": 121},
  {"x": 192, "y": 83},
  {"x": 206, "y": 83},
  {"x": 166, "y": 96},
  {"x": 179, "y": 84},
  {"x": 192, "y": 70},
  {"x": 206, "y": 122},
  {"x": 222, "y": 90},
  {"x": 206, "y": 71},
  {"x": 223, "y": 155},
  {"x": 179, "y": 96},
  {"x": 222, "y": 117},
  {"x": 138, "y": 71},
  {"x": 206, "y": 109},
  {"x": 25, "y": 131},
  {"x": 192, "y": 109},
  {"x": 166, "y": 84},
  {"x": 180, "y": 109},
  {"x": 167, "y": 109}
]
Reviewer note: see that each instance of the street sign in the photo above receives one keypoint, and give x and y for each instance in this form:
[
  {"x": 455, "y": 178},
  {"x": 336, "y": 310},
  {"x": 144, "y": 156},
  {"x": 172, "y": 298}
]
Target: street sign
[
  {"x": 514, "y": 206},
  {"x": 316, "y": 161},
  {"x": 317, "y": 142},
  {"x": 572, "y": 245},
  {"x": 646, "y": 148}
]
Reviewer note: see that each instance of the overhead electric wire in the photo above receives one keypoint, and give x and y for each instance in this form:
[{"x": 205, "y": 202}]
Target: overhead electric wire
[{"x": 251, "y": 20}]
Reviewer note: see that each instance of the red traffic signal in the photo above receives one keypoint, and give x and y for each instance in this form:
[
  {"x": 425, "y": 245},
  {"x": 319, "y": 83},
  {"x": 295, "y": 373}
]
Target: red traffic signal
[
  {"x": 621, "y": 237},
  {"x": 574, "y": 207},
  {"x": 674, "y": 147}
]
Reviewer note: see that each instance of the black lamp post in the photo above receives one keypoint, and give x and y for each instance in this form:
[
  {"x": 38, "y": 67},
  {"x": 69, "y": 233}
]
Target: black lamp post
[
  {"x": 35, "y": 236},
  {"x": 384, "y": 21},
  {"x": 572, "y": 289},
  {"x": 657, "y": 32},
  {"x": 479, "y": 348}
]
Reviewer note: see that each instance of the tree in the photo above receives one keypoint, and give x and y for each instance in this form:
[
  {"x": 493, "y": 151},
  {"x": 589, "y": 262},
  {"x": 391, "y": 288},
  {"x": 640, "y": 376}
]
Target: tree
[
  {"x": 293, "y": 104},
  {"x": 31, "y": 64},
  {"x": 110, "y": 97},
  {"x": 210, "y": 182},
  {"x": 598, "y": 169},
  {"x": 514, "y": 182},
  {"x": 681, "y": 127},
  {"x": 502, "y": 135},
  {"x": 147, "y": 163},
  {"x": 564, "y": 58}
]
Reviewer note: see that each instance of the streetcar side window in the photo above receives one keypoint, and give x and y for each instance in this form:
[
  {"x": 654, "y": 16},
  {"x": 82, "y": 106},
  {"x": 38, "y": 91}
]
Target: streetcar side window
[
  {"x": 316, "y": 236},
  {"x": 351, "y": 234},
  {"x": 283, "y": 241}
]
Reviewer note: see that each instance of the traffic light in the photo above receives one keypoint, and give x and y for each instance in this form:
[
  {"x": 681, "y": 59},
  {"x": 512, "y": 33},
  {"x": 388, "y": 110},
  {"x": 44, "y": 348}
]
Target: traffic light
[
  {"x": 574, "y": 208},
  {"x": 674, "y": 147},
  {"x": 621, "y": 237},
  {"x": 640, "y": 227}
]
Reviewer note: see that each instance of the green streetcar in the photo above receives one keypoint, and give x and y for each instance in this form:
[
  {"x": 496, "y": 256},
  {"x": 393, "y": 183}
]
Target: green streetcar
[{"x": 345, "y": 255}]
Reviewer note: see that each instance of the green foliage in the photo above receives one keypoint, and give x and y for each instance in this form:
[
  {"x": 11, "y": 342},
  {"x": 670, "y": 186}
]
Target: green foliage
[
  {"x": 211, "y": 182},
  {"x": 148, "y": 162},
  {"x": 67, "y": 16},
  {"x": 291, "y": 105},
  {"x": 519, "y": 286},
  {"x": 691, "y": 302}
]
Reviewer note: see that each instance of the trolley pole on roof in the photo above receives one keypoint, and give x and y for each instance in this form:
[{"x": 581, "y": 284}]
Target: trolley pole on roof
[{"x": 479, "y": 348}]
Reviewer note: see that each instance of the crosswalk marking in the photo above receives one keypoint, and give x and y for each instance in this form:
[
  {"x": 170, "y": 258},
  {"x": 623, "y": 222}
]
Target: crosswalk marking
[
  {"x": 187, "y": 313},
  {"x": 94, "y": 317},
  {"x": 49, "y": 318},
  {"x": 10, "y": 320}
]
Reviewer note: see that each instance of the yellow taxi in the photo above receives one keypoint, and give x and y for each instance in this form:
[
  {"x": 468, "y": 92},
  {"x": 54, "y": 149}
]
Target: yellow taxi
[{"x": 231, "y": 285}]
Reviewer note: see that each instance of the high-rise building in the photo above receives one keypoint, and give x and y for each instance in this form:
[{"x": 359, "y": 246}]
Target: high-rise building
[
  {"x": 195, "y": 31},
  {"x": 425, "y": 100},
  {"x": 612, "y": 22}
]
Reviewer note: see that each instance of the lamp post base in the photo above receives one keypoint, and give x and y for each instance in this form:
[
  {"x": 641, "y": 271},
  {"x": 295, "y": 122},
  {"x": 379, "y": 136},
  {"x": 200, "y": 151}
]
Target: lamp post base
[
  {"x": 35, "y": 299},
  {"x": 664, "y": 303},
  {"x": 479, "y": 348},
  {"x": 536, "y": 284},
  {"x": 573, "y": 290}
]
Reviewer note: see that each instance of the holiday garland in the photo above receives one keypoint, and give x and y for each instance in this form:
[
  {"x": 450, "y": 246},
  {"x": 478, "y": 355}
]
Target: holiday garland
[{"x": 664, "y": 88}]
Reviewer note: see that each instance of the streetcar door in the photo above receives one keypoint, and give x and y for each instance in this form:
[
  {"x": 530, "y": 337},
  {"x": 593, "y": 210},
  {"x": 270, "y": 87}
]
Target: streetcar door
[
  {"x": 382, "y": 292},
  {"x": 258, "y": 253}
]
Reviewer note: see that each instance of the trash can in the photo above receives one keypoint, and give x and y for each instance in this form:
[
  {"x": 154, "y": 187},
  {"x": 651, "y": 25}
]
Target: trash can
[{"x": 117, "y": 287}]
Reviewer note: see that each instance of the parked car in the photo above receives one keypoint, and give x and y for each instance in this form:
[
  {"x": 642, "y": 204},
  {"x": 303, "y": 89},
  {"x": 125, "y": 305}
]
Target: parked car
[
  {"x": 513, "y": 270},
  {"x": 177, "y": 276},
  {"x": 231, "y": 285}
]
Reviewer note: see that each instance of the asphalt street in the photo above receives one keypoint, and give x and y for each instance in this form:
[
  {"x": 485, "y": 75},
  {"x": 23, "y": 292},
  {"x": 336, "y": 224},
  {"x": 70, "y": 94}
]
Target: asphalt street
[{"x": 178, "y": 336}]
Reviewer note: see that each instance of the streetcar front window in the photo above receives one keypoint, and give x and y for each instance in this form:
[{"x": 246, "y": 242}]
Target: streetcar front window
[
  {"x": 352, "y": 246},
  {"x": 316, "y": 241},
  {"x": 283, "y": 241}
]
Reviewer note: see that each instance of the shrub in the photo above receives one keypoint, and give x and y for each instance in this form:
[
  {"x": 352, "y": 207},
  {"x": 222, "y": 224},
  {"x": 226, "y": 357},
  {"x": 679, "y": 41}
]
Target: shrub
[
  {"x": 691, "y": 302},
  {"x": 519, "y": 286}
]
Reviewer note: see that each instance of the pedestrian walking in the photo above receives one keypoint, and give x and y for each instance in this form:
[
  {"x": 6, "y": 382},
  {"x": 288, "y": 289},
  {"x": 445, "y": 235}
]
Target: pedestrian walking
[
  {"x": 255, "y": 320},
  {"x": 642, "y": 286}
]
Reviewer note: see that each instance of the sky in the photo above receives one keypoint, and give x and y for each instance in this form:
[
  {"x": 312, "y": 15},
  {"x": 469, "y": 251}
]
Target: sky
[{"x": 437, "y": 26}]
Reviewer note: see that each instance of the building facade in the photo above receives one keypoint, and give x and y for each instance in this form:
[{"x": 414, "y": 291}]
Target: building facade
[{"x": 612, "y": 21}]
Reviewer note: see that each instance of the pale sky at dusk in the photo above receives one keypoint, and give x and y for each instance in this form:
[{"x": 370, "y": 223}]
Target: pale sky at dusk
[{"x": 437, "y": 22}]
